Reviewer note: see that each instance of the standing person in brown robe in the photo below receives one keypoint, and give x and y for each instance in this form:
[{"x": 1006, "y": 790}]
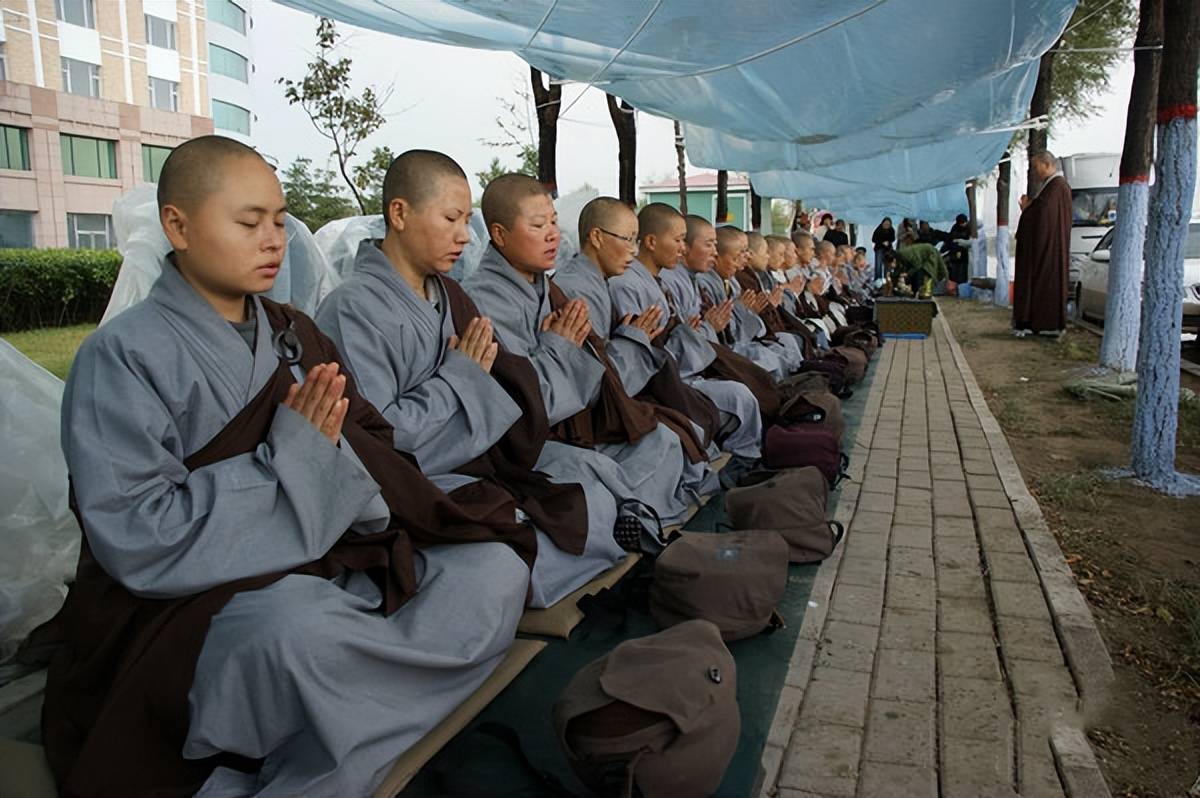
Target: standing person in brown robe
[{"x": 1043, "y": 252}]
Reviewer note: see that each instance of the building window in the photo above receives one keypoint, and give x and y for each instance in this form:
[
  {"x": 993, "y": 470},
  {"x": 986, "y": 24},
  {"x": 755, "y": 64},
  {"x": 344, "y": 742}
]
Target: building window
[
  {"x": 14, "y": 148},
  {"x": 160, "y": 32},
  {"x": 164, "y": 94},
  {"x": 87, "y": 157},
  {"x": 227, "y": 116},
  {"x": 227, "y": 13},
  {"x": 90, "y": 231},
  {"x": 222, "y": 61},
  {"x": 153, "y": 159},
  {"x": 80, "y": 77},
  {"x": 16, "y": 229},
  {"x": 3, "y": 63},
  {"x": 77, "y": 12}
]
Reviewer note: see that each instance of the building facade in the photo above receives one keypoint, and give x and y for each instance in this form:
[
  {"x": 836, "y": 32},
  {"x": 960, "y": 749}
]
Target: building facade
[
  {"x": 93, "y": 96},
  {"x": 702, "y": 198}
]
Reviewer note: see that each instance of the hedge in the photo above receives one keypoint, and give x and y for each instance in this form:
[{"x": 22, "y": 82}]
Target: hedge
[{"x": 55, "y": 287}]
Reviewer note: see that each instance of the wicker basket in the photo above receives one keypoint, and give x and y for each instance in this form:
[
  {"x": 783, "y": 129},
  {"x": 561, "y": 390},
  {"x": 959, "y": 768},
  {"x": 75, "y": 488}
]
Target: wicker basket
[{"x": 904, "y": 316}]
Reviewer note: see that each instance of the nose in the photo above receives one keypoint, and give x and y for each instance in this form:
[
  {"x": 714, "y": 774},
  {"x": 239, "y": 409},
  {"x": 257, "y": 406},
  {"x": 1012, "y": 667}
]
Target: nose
[{"x": 276, "y": 238}]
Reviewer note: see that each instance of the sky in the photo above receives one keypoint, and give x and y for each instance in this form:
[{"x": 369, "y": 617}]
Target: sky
[{"x": 447, "y": 98}]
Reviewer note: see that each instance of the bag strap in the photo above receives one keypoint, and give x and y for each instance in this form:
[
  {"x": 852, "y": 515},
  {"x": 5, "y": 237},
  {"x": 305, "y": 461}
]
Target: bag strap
[{"x": 838, "y": 530}]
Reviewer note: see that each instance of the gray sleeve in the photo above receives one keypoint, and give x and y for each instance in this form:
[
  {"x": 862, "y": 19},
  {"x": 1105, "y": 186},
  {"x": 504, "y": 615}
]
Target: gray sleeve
[
  {"x": 444, "y": 421},
  {"x": 636, "y": 359},
  {"x": 163, "y": 531},
  {"x": 568, "y": 376}
]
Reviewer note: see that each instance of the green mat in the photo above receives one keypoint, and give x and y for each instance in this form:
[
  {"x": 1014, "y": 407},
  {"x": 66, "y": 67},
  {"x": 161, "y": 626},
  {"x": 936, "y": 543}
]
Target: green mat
[{"x": 477, "y": 764}]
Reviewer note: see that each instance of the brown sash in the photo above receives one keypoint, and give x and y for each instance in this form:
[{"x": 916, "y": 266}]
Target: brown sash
[
  {"x": 617, "y": 417},
  {"x": 558, "y": 510},
  {"x": 116, "y": 713}
]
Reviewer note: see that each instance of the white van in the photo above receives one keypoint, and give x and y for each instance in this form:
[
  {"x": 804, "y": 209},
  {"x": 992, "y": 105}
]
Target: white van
[{"x": 1093, "y": 177}]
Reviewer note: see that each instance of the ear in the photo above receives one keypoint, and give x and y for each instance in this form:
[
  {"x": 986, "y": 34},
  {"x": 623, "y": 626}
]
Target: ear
[
  {"x": 498, "y": 235},
  {"x": 398, "y": 211},
  {"x": 649, "y": 242},
  {"x": 175, "y": 224}
]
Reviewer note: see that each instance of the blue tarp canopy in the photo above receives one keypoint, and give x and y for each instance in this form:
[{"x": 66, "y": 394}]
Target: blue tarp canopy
[{"x": 871, "y": 107}]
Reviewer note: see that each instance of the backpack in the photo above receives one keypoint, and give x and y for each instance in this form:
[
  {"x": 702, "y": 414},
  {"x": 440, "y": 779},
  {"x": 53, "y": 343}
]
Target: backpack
[
  {"x": 659, "y": 713},
  {"x": 802, "y": 445},
  {"x": 834, "y": 370},
  {"x": 735, "y": 580},
  {"x": 855, "y": 360},
  {"x": 791, "y": 503},
  {"x": 808, "y": 389}
]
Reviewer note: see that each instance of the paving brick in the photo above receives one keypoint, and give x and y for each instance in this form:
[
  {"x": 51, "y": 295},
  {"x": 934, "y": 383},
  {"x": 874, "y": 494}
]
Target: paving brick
[
  {"x": 976, "y": 769},
  {"x": 978, "y": 466},
  {"x": 1001, "y": 541},
  {"x": 911, "y": 593},
  {"x": 910, "y": 562},
  {"x": 959, "y": 552},
  {"x": 966, "y": 654},
  {"x": 919, "y": 538},
  {"x": 904, "y": 675},
  {"x": 822, "y": 759},
  {"x": 856, "y": 604},
  {"x": 865, "y": 571},
  {"x": 963, "y": 615},
  {"x": 908, "y": 629},
  {"x": 977, "y": 709},
  {"x": 991, "y": 498},
  {"x": 962, "y": 583},
  {"x": 943, "y": 446},
  {"x": 951, "y": 507},
  {"x": 1047, "y": 684},
  {"x": 1003, "y": 567},
  {"x": 880, "y": 778},
  {"x": 914, "y": 497},
  {"x": 873, "y": 522},
  {"x": 942, "y": 457},
  {"x": 947, "y": 473},
  {"x": 912, "y": 515},
  {"x": 876, "y": 502},
  {"x": 901, "y": 732},
  {"x": 914, "y": 478},
  {"x": 865, "y": 545},
  {"x": 1019, "y": 600},
  {"x": 984, "y": 482},
  {"x": 1037, "y": 776},
  {"x": 996, "y": 518},
  {"x": 954, "y": 527},
  {"x": 1025, "y": 638},
  {"x": 848, "y": 646},
  {"x": 836, "y": 696}
]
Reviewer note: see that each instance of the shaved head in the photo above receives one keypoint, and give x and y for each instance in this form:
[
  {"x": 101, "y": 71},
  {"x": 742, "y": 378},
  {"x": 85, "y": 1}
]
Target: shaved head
[
  {"x": 414, "y": 176},
  {"x": 800, "y": 236},
  {"x": 501, "y": 203},
  {"x": 656, "y": 219},
  {"x": 755, "y": 240},
  {"x": 601, "y": 212},
  {"x": 196, "y": 168},
  {"x": 826, "y": 248},
  {"x": 729, "y": 238},
  {"x": 695, "y": 226}
]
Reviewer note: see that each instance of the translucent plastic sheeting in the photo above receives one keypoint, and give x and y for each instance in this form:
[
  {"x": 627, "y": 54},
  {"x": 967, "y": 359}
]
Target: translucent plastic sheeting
[
  {"x": 38, "y": 533},
  {"x": 809, "y": 82},
  {"x": 304, "y": 278}
]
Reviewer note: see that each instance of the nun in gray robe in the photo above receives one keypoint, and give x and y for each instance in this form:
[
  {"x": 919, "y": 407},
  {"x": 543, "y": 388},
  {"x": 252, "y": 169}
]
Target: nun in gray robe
[
  {"x": 444, "y": 408},
  {"x": 654, "y": 470},
  {"x": 636, "y": 290},
  {"x": 745, "y": 327},
  {"x": 304, "y": 674}
]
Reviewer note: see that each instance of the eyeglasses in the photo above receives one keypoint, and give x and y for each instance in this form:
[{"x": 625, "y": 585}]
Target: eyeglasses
[{"x": 630, "y": 241}]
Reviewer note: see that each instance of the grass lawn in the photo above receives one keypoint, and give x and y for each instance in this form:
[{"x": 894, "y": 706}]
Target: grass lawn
[{"x": 53, "y": 348}]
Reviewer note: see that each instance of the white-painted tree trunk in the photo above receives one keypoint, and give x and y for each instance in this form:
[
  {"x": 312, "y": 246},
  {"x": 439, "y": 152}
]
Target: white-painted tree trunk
[
  {"x": 1156, "y": 416},
  {"x": 1003, "y": 270},
  {"x": 1123, "y": 308}
]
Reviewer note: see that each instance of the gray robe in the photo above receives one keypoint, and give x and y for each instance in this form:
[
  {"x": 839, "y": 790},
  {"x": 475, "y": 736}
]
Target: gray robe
[
  {"x": 745, "y": 327},
  {"x": 445, "y": 409},
  {"x": 636, "y": 290},
  {"x": 152, "y": 387},
  {"x": 655, "y": 470}
]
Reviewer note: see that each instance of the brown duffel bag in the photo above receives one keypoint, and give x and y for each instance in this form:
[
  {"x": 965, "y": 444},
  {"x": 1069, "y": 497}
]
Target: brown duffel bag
[
  {"x": 857, "y": 336},
  {"x": 856, "y": 362},
  {"x": 791, "y": 502},
  {"x": 734, "y": 579},
  {"x": 659, "y": 713},
  {"x": 805, "y": 390}
]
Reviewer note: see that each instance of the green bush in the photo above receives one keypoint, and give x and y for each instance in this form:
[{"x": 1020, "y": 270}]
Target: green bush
[{"x": 55, "y": 287}]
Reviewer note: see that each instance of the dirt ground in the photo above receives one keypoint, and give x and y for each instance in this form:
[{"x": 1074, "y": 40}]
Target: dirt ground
[{"x": 1135, "y": 553}]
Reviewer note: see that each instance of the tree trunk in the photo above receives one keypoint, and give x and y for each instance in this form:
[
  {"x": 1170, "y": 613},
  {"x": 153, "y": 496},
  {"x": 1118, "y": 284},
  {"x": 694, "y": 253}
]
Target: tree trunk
[
  {"x": 971, "y": 209},
  {"x": 1003, "y": 180},
  {"x": 548, "y": 101},
  {"x": 1156, "y": 414},
  {"x": 1043, "y": 93},
  {"x": 621, "y": 114},
  {"x": 755, "y": 210},
  {"x": 722, "y": 196},
  {"x": 680, "y": 165},
  {"x": 1122, "y": 309}
]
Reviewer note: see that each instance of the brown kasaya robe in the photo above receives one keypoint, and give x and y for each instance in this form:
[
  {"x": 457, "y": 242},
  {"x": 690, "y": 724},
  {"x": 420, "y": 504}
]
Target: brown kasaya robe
[
  {"x": 1043, "y": 259},
  {"x": 116, "y": 710}
]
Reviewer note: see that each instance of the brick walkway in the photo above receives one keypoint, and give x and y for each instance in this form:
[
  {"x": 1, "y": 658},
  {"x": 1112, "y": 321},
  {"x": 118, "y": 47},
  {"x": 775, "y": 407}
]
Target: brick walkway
[{"x": 947, "y": 650}]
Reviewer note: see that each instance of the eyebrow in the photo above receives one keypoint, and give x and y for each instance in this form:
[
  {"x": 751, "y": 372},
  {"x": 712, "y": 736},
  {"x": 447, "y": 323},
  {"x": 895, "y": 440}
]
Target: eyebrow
[{"x": 261, "y": 209}]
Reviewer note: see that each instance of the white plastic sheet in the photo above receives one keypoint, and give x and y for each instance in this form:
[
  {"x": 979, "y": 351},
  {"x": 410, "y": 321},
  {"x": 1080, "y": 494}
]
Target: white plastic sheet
[
  {"x": 304, "y": 278},
  {"x": 879, "y": 76},
  {"x": 38, "y": 533}
]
